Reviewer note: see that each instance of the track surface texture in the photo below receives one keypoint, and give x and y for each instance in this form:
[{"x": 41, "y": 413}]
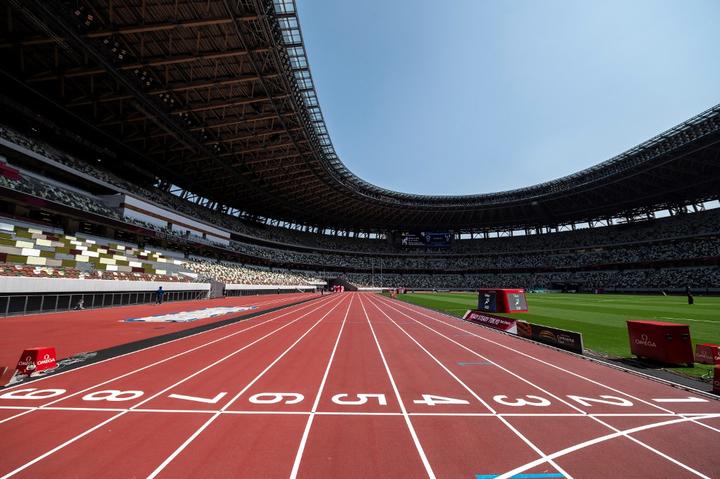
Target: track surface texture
[
  {"x": 354, "y": 385},
  {"x": 73, "y": 332}
]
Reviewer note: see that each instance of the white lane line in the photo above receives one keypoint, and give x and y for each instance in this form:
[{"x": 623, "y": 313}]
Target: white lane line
[
  {"x": 308, "y": 425},
  {"x": 438, "y": 362},
  {"x": 217, "y": 414},
  {"x": 212, "y": 400},
  {"x": 700, "y": 423},
  {"x": 352, "y": 413},
  {"x": 448, "y": 324},
  {"x": 652, "y": 449},
  {"x": 591, "y": 442},
  {"x": 533, "y": 358},
  {"x": 9, "y": 388},
  {"x": 527, "y": 441},
  {"x": 90, "y": 409},
  {"x": 640, "y": 443},
  {"x": 34, "y": 381},
  {"x": 687, "y": 319},
  {"x": 139, "y": 410},
  {"x": 416, "y": 440},
  {"x": 639, "y": 414},
  {"x": 147, "y": 366},
  {"x": 680, "y": 400},
  {"x": 187, "y": 378},
  {"x": 265, "y": 413}
]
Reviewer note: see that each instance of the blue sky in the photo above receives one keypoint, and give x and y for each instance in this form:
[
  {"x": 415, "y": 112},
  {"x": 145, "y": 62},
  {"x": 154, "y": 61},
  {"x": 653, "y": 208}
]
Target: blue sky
[{"x": 477, "y": 96}]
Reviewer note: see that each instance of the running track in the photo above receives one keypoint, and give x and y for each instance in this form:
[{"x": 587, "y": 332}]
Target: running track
[
  {"x": 354, "y": 385},
  {"x": 73, "y": 332}
]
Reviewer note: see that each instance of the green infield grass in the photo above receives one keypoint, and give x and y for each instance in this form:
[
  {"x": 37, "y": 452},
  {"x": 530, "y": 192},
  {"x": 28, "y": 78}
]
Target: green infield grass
[{"x": 600, "y": 317}]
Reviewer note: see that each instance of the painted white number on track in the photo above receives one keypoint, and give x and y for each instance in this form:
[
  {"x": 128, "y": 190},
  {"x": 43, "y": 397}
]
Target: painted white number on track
[
  {"x": 33, "y": 393},
  {"x": 519, "y": 402},
  {"x": 113, "y": 395},
  {"x": 432, "y": 400},
  {"x": 274, "y": 398},
  {"x": 361, "y": 399},
  {"x": 611, "y": 400},
  {"x": 687, "y": 399}
]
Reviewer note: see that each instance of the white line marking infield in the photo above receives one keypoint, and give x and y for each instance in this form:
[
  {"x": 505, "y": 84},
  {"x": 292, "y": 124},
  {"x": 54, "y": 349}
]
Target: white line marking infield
[
  {"x": 147, "y": 366},
  {"x": 677, "y": 417},
  {"x": 212, "y": 400},
  {"x": 597, "y": 440},
  {"x": 499, "y": 399},
  {"x": 411, "y": 429},
  {"x": 290, "y": 398},
  {"x": 483, "y": 338},
  {"x": 692, "y": 416},
  {"x": 34, "y": 381},
  {"x": 199, "y": 431},
  {"x": 200, "y": 371},
  {"x": 595, "y": 418},
  {"x": 318, "y": 395},
  {"x": 680, "y": 400}
]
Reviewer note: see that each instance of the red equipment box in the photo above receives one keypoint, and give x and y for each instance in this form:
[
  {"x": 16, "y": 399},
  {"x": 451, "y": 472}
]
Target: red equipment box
[
  {"x": 502, "y": 301},
  {"x": 661, "y": 341},
  {"x": 38, "y": 359},
  {"x": 707, "y": 353}
]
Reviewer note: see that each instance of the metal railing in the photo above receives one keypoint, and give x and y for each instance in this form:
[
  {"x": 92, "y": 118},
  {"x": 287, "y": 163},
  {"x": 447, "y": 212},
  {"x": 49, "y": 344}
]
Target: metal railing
[{"x": 20, "y": 304}]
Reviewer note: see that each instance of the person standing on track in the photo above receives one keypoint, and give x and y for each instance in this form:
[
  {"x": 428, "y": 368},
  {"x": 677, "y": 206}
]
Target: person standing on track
[
  {"x": 691, "y": 300},
  {"x": 159, "y": 295}
]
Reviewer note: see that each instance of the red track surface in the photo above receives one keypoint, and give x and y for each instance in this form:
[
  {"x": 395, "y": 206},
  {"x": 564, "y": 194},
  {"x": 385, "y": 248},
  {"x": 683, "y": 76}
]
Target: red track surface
[
  {"x": 334, "y": 388},
  {"x": 74, "y": 332}
]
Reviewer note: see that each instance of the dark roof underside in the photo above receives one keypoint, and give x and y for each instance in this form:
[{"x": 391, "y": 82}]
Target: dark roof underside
[{"x": 217, "y": 98}]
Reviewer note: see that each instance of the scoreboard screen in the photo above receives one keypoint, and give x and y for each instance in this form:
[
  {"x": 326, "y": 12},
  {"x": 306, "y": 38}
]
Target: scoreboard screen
[
  {"x": 437, "y": 240},
  {"x": 426, "y": 239},
  {"x": 487, "y": 301},
  {"x": 516, "y": 302},
  {"x": 502, "y": 300},
  {"x": 412, "y": 240}
]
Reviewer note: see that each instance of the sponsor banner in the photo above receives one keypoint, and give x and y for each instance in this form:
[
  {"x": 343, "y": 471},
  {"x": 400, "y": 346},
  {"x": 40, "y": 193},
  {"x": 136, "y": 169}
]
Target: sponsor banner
[
  {"x": 707, "y": 353},
  {"x": 661, "y": 341},
  {"x": 38, "y": 359},
  {"x": 560, "y": 338},
  {"x": 189, "y": 316},
  {"x": 645, "y": 341},
  {"x": 524, "y": 329},
  {"x": 490, "y": 320}
]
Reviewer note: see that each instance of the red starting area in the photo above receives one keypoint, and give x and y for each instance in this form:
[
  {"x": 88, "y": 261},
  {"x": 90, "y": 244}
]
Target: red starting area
[
  {"x": 355, "y": 385},
  {"x": 36, "y": 360}
]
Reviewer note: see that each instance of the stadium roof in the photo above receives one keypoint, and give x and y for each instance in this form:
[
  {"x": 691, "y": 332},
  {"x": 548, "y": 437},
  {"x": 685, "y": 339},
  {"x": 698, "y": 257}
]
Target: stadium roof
[{"x": 217, "y": 98}]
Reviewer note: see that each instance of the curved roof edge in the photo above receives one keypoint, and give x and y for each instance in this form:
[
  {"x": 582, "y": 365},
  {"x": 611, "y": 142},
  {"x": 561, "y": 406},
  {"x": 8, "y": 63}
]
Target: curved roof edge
[{"x": 286, "y": 15}]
